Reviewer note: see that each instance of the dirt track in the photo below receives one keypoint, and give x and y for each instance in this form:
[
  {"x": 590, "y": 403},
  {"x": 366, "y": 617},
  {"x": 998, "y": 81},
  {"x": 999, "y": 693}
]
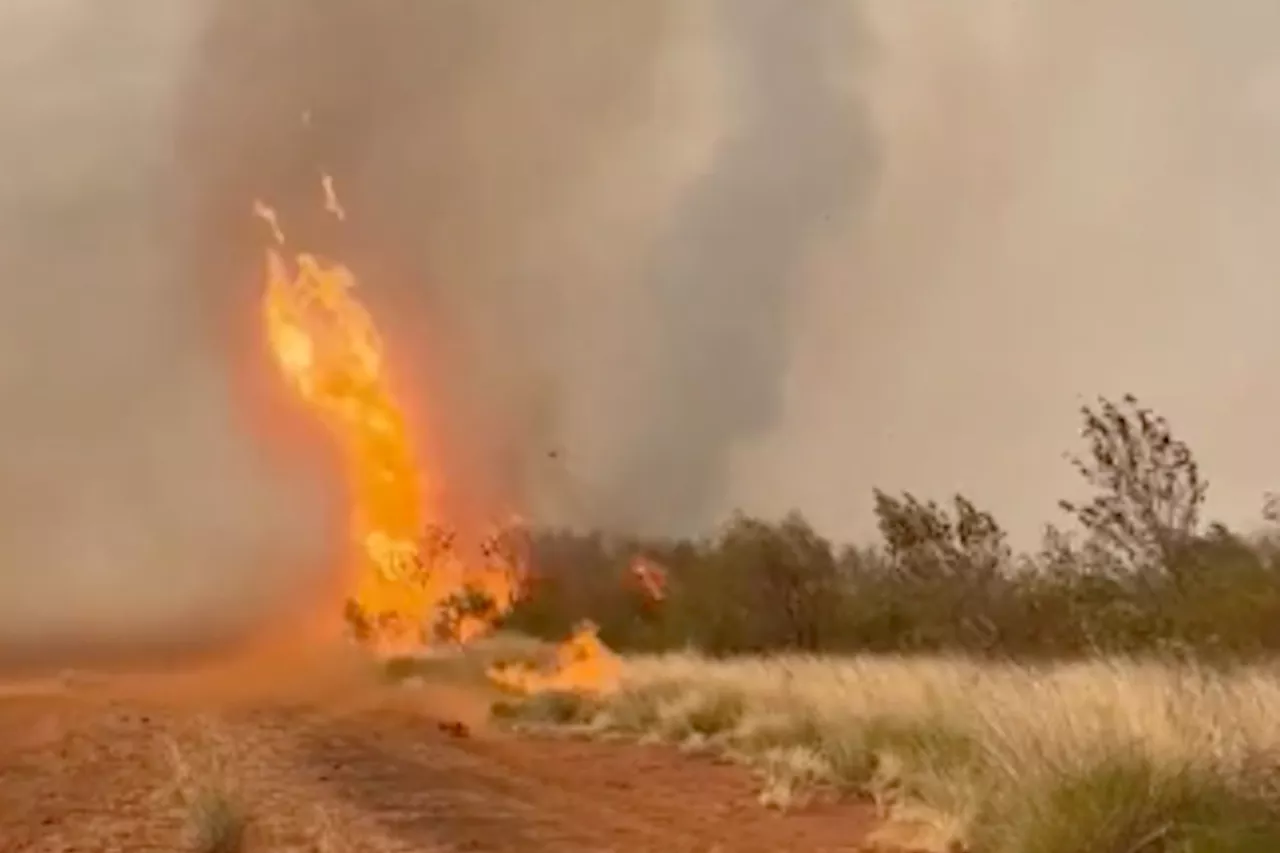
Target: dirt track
[{"x": 90, "y": 769}]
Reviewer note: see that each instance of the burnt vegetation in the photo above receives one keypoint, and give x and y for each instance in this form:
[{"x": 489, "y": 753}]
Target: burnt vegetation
[{"x": 1132, "y": 570}]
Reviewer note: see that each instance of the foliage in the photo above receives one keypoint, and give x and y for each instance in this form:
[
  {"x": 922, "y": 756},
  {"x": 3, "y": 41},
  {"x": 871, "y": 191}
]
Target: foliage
[
  {"x": 1148, "y": 487},
  {"x": 1141, "y": 574}
]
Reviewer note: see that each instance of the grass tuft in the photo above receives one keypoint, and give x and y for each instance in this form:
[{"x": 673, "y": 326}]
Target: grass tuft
[
  {"x": 218, "y": 822},
  {"x": 204, "y": 786},
  {"x": 1128, "y": 801}
]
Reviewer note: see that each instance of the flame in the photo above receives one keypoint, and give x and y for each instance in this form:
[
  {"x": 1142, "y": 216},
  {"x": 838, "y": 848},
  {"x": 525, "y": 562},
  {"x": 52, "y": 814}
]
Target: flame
[
  {"x": 414, "y": 581},
  {"x": 651, "y": 578},
  {"x": 583, "y": 663},
  {"x": 409, "y": 586}
]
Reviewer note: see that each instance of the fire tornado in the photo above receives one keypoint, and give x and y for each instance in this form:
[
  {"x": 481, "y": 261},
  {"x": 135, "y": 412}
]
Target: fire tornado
[
  {"x": 413, "y": 582},
  {"x": 406, "y": 587}
]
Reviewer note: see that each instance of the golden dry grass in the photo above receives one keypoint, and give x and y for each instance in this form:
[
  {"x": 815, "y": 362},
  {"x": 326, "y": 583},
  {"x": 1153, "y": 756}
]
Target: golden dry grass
[
  {"x": 206, "y": 787},
  {"x": 1109, "y": 756}
]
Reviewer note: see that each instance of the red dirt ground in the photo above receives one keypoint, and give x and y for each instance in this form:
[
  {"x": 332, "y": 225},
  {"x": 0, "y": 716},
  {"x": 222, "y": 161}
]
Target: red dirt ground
[{"x": 345, "y": 766}]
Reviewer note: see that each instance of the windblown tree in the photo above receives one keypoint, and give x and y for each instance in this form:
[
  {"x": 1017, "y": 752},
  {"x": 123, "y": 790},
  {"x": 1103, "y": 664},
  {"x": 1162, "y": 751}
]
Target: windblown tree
[
  {"x": 924, "y": 539},
  {"x": 1145, "y": 512},
  {"x": 952, "y": 565}
]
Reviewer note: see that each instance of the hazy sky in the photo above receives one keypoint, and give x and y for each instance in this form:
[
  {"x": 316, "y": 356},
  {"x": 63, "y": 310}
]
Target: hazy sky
[
  {"x": 715, "y": 253},
  {"x": 1075, "y": 199}
]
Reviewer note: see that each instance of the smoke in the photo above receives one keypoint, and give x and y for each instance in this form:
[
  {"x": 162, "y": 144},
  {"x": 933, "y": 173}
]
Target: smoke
[
  {"x": 587, "y": 224},
  {"x": 1075, "y": 198},
  {"x": 729, "y": 262},
  {"x": 469, "y": 143},
  {"x": 130, "y": 504}
]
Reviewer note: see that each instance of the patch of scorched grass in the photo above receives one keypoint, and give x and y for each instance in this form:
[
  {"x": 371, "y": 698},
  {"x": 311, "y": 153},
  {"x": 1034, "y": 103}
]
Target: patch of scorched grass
[{"x": 1106, "y": 756}]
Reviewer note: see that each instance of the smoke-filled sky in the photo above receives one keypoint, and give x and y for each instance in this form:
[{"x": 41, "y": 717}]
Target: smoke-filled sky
[{"x": 638, "y": 263}]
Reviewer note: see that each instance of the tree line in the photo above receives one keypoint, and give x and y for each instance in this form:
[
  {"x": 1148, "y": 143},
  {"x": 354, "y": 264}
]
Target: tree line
[{"x": 1134, "y": 570}]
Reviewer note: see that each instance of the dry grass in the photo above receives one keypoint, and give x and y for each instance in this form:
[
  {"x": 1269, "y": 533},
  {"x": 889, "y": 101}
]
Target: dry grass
[
  {"x": 1107, "y": 756},
  {"x": 204, "y": 785}
]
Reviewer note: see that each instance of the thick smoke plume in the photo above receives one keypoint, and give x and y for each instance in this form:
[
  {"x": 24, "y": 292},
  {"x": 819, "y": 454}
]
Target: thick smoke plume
[
  {"x": 462, "y": 137},
  {"x": 490, "y": 155},
  {"x": 730, "y": 260}
]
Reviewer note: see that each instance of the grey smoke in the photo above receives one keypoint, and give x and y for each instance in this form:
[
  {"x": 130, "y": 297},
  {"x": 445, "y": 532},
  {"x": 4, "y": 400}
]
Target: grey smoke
[
  {"x": 458, "y": 134},
  {"x": 728, "y": 264},
  {"x": 131, "y": 503},
  {"x": 479, "y": 147}
]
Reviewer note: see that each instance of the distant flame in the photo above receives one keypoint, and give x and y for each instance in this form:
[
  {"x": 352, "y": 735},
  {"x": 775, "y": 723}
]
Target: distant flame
[
  {"x": 651, "y": 577},
  {"x": 582, "y": 663}
]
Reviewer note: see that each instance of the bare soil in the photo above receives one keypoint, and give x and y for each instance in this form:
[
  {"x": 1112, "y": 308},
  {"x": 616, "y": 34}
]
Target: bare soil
[{"x": 337, "y": 763}]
